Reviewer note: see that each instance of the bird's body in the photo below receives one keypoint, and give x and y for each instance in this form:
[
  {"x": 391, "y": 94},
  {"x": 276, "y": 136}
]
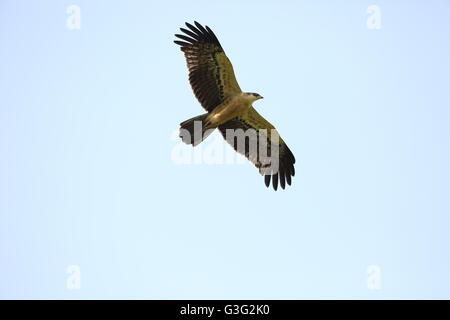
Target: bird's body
[
  {"x": 234, "y": 106},
  {"x": 229, "y": 109}
]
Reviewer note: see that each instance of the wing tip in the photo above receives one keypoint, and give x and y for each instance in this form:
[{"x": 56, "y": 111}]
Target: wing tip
[
  {"x": 201, "y": 33},
  {"x": 275, "y": 181},
  {"x": 282, "y": 178},
  {"x": 181, "y": 43},
  {"x": 267, "y": 180}
]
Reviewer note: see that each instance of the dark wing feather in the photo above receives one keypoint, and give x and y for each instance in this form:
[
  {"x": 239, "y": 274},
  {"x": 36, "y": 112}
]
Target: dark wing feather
[
  {"x": 253, "y": 120},
  {"x": 210, "y": 71}
]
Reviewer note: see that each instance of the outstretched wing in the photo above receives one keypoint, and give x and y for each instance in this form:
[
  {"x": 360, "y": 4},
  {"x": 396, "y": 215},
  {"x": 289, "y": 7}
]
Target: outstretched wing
[
  {"x": 281, "y": 173},
  {"x": 210, "y": 72}
]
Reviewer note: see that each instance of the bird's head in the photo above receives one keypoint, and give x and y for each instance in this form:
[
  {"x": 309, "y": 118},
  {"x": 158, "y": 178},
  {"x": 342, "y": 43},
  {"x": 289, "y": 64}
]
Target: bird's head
[{"x": 253, "y": 96}]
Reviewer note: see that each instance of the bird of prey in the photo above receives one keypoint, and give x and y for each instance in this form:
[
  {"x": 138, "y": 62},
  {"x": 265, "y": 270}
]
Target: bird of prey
[{"x": 229, "y": 109}]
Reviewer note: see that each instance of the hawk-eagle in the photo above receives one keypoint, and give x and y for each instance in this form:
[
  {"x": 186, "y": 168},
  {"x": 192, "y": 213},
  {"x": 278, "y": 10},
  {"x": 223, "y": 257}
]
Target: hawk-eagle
[{"x": 229, "y": 109}]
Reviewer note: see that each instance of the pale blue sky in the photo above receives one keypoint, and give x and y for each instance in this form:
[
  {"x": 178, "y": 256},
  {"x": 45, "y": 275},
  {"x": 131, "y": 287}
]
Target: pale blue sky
[{"x": 87, "y": 177}]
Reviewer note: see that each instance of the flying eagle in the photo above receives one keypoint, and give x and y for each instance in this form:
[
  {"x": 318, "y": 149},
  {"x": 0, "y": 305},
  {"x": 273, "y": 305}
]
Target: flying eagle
[{"x": 229, "y": 109}]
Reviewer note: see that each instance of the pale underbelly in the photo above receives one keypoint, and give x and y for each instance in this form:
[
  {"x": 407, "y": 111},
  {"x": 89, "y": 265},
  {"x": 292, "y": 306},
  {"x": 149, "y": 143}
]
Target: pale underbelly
[{"x": 226, "y": 112}]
